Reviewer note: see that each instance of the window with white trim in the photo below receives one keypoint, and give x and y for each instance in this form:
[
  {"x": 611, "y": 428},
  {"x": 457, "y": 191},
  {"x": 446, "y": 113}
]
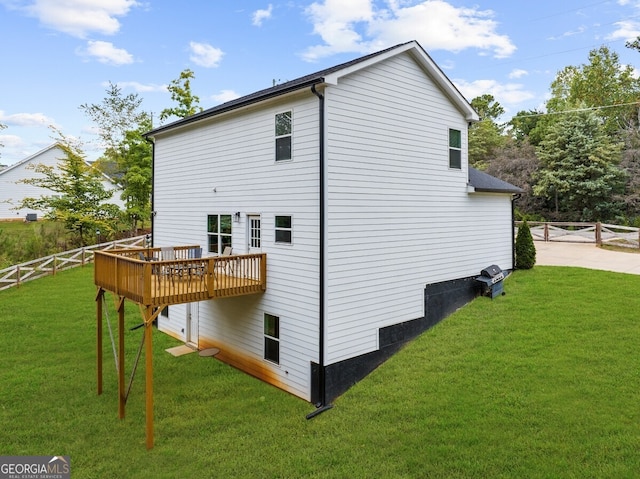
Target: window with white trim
[
  {"x": 272, "y": 338},
  {"x": 283, "y": 229},
  {"x": 455, "y": 149},
  {"x": 283, "y": 136},
  {"x": 218, "y": 233}
]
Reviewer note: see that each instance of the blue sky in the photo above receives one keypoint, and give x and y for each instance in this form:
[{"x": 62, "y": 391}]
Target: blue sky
[{"x": 59, "y": 54}]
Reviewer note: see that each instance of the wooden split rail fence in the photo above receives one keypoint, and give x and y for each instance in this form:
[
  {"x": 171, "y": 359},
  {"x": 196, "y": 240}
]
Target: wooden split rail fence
[
  {"x": 50, "y": 265},
  {"x": 598, "y": 233}
]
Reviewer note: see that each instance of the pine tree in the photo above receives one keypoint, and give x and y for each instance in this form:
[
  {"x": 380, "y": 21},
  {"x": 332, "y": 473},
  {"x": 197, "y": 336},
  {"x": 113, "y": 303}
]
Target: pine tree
[{"x": 525, "y": 249}]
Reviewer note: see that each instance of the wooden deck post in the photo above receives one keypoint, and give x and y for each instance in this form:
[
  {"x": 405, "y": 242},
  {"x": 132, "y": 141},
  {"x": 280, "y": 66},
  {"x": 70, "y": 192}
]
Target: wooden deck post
[
  {"x": 599, "y": 233},
  {"x": 99, "y": 350},
  {"x": 121, "y": 387},
  {"x": 148, "y": 329}
]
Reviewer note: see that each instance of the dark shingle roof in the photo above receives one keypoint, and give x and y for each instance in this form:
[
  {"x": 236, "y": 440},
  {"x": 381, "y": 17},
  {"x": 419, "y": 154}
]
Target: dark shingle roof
[
  {"x": 287, "y": 87},
  {"x": 485, "y": 183}
]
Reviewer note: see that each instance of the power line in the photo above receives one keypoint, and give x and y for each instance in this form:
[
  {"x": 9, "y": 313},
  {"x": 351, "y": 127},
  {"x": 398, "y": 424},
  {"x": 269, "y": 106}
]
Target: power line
[{"x": 531, "y": 115}]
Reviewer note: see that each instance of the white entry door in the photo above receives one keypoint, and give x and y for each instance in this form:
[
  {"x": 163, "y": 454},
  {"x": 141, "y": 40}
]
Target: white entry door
[
  {"x": 192, "y": 324},
  {"x": 254, "y": 234}
]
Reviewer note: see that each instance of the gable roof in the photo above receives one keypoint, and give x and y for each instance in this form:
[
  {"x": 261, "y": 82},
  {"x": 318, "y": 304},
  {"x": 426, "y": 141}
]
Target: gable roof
[
  {"x": 331, "y": 76},
  {"x": 57, "y": 144},
  {"x": 482, "y": 182},
  {"x": 28, "y": 159}
]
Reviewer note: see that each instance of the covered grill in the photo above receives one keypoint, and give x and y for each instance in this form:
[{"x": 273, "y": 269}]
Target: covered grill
[{"x": 490, "y": 280}]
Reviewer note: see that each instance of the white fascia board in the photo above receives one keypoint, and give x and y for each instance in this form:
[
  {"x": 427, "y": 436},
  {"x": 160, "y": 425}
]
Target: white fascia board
[{"x": 425, "y": 61}]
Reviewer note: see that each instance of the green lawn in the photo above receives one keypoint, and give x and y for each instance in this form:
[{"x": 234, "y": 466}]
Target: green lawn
[{"x": 543, "y": 382}]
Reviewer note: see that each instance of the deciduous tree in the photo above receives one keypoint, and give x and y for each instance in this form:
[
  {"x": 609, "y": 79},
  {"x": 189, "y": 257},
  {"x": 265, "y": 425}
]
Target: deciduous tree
[
  {"x": 78, "y": 197},
  {"x": 485, "y": 136},
  {"x": 180, "y": 89}
]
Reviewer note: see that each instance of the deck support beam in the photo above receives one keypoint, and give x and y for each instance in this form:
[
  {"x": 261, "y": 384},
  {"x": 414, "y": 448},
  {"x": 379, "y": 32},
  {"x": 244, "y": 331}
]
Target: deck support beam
[
  {"x": 99, "y": 350},
  {"x": 122, "y": 399},
  {"x": 148, "y": 329}
]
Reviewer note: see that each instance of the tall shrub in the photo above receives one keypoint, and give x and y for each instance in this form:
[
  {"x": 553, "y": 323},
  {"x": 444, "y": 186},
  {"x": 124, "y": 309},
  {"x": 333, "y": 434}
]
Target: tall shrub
[{"x": 525, "y": 249}]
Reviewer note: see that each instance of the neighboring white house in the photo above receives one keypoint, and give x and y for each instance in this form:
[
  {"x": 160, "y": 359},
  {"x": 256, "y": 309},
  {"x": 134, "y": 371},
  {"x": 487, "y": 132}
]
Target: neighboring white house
[
  {"x": 355, "y": 183},
  {"x": 12, "y": 191}
]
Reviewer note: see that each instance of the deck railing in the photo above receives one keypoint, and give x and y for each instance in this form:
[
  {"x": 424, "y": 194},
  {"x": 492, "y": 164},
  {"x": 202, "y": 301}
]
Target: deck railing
[{"x": 143, "y": 276}]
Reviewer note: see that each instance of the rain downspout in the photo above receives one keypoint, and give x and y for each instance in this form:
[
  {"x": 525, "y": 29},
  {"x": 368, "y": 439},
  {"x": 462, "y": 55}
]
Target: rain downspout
[
  {"x": 515, "y": 198},
  {"x": 322, "y": 392},
  {"x": 152, "y": 140}
]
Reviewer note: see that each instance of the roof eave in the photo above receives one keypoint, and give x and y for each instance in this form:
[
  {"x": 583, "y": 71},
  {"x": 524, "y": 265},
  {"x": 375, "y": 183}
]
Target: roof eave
[{"x": 235, "y": 105}]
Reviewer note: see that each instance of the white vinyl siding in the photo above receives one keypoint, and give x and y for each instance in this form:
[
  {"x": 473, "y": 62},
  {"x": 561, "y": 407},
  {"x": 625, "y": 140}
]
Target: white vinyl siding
[
  {"x": 398, "y": 216},
  {"x": 12, "y": 191},
  {"x": 225, "y": 166}
]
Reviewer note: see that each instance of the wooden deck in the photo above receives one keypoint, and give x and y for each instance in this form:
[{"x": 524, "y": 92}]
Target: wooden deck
[{"x": 136, "y": 275}]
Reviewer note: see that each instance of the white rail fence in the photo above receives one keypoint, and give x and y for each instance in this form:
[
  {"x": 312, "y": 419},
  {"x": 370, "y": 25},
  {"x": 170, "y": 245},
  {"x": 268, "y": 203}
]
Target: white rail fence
[
  {"x": 50, "y": 265},
  {"x": 598, "y": 233}
]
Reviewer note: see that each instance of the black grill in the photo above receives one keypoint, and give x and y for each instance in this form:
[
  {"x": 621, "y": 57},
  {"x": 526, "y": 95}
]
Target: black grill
[{"x": 490, "y": 280}]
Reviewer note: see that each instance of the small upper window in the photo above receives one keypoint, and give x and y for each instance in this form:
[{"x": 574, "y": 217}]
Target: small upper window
[
  {"x": 283, "y": 229},
  {"x": 283, "y": 136},
  {"x": 455, "y": 149}
]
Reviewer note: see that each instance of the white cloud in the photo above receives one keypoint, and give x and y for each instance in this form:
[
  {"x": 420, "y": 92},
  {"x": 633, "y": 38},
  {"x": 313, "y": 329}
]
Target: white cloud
[
  {"x": 141, "y": 87},
  {"x": 518, "y": 73},
  {"x": 26, "y": 119},
  {"x": 106, "y": 52},
  {"x": 509, "y": 94},
  {"x": 625, "y": 30},
  {"x": 437, "y": 25},
  {"x": 80, "y": 17},
  {"x": 225, "y": 95},
  {"x": 570, "y": 33},
  {"x": 205, "y": 55},
  {"x": 260, "y": 16},
  {"x": 10, "y": 141}
]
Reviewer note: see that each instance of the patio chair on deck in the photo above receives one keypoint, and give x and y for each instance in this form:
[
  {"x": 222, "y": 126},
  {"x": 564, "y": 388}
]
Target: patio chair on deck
[{"x": 226, "y": 266}]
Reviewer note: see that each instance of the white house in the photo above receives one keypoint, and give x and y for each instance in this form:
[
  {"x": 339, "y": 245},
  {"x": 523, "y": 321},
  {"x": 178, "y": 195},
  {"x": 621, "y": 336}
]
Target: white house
[
  {"x": 12, "y": 191},
  {"x": 355, "y": 183}
]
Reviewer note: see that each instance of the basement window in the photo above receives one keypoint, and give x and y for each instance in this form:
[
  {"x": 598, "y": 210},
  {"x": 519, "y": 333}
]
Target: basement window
[{"x": 272, "y": 338}]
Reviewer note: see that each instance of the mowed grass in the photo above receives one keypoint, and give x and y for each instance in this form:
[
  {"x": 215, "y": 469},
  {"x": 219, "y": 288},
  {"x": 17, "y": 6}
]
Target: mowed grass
[{"x": 543, "y": 382}]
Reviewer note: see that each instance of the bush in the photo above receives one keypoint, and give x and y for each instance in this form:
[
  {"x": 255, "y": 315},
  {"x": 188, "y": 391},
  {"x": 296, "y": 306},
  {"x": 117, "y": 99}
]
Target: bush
[{"x": 525, "y": 249}]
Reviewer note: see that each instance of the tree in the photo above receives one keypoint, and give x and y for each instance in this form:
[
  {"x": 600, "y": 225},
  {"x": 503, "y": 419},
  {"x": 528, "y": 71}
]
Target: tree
[
  {"x": 180, "y": 89},
  {"x": 115, "y": 116},
  {"x": 79, "y": 197},
  {"x": 580, "y": 173},
  {"x": 517, "y": 163},
  {"x": 525, "y": 248},
  {"x": 127, "y": 157},
  {"x": 2, "y": 127},
  {"x": 134, "y": 154},
  {"x": 485, "y": 136},
  {"x": 487, "y": 107},
  {"x": 599, "y": 84},
  {"x": 530, "y": 126}
]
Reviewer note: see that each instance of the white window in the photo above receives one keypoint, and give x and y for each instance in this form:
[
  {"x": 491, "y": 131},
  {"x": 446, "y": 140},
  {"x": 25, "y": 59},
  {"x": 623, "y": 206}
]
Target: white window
[
  {"x": 283, "y": 136},
  {"x": 218, "y": 233},
  {"x": 455, "y": 149},
  {"x": 272, "y": 338},
  {"x": 283, "y": 229}
]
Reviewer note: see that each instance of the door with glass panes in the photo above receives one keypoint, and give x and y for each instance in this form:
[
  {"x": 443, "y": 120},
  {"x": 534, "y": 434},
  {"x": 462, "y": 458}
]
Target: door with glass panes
[{"x": 254, "y": 235}]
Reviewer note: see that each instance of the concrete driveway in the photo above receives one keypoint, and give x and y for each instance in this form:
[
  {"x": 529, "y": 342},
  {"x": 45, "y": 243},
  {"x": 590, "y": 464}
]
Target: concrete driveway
[{"x": 586, "y": 255}]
